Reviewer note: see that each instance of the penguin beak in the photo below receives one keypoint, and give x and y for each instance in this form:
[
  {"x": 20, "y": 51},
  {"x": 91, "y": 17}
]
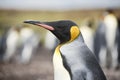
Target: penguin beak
[{"x": 41, "y": 24}]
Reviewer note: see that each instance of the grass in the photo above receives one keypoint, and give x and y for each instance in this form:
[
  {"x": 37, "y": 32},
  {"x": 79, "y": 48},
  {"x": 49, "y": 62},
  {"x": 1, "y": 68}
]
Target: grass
[{"x": 10, "y": 18}]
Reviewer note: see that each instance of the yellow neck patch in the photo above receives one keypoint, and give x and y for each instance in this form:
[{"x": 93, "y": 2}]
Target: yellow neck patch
[
  {"x": 74, "y": 32},
  {"x": 57, "y": 50}
]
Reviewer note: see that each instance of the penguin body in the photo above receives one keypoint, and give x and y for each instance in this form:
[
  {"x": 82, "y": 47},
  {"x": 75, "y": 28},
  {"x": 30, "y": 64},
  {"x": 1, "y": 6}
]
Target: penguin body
[
  {"x": 72, "y": 59},
  {"x": 81, "y": 61}
]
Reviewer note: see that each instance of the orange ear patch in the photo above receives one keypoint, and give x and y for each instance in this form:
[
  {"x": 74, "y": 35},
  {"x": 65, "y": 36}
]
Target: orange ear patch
[{"x": 74, "y": 32}]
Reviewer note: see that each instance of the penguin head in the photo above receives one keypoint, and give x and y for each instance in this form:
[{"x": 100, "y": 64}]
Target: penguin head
[{"x": 64, "y": 30}]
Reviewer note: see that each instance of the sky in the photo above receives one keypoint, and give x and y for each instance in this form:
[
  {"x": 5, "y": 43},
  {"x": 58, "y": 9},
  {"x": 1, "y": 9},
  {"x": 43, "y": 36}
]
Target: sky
[{"x": 58, "y": 4}]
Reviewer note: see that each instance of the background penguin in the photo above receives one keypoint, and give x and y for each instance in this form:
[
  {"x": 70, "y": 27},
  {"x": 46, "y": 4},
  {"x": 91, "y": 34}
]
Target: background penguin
[
  {"x": 110, "y": 21},
  {"x": 72, "y": 59},
  {"x": 118, "y": 42},
  {"x": 87, "y": 32},
  {"x": 100, "y": 46},
  {"x": 12, "y": 42},
  {"x": 3, "y": 38},
  {"x": 50, "y": 41},
  {"x": 29, "y": 43},
  {"x": 105, "y": 45}
]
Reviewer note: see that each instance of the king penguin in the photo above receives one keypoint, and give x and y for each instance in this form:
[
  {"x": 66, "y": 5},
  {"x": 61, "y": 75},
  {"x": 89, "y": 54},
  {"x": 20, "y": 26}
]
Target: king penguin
[{"x": 72, "y": 59}]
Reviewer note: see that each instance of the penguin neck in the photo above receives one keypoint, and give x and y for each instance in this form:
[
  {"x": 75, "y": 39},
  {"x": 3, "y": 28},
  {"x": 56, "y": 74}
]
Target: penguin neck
[
  {"x": 60, "y": 72},
  {"x": 78, "y": 40}
]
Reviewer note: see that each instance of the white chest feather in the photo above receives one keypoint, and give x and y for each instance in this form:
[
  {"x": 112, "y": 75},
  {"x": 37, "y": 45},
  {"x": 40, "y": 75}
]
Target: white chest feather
[{"x": 60, "y": 73}]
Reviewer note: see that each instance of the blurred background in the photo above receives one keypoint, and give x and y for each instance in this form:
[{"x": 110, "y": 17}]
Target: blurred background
[{"x": 26, "y": 50}]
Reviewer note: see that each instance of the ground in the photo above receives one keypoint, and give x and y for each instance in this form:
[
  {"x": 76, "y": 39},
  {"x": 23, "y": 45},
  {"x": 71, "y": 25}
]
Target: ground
[{"x": 40, "y": 68}]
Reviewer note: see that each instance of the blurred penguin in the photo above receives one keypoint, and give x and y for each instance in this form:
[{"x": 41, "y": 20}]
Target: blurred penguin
[
  {"x": 110, "y": 21},
  {"x": 118, "y": 43},
  {"x": 3, "y": 37},
  {"x": 30, "y": 41},
  {"x": 100, "y": 48},
  {"x": 50, "y": 41},
  {"x": 105, "y": 37},
  {"x": 87, "y": 32},
  {"x": 12, "y": 41}
]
